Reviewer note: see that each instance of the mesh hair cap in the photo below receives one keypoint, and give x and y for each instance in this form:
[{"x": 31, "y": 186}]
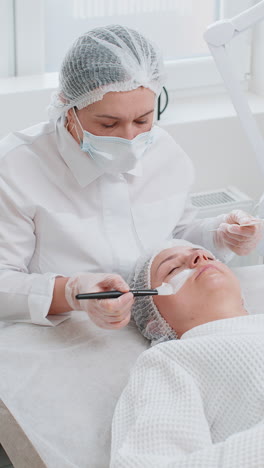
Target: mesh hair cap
[
  {"x": 144, "y": 312},
  {"x": 110, "y": 58}
]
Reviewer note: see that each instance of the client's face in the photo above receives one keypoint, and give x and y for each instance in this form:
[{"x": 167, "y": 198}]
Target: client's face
[{"x": 212, "y": 292}]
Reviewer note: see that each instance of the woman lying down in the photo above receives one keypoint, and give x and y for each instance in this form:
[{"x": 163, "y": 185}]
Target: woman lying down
[{"x": 196, "y": 399}]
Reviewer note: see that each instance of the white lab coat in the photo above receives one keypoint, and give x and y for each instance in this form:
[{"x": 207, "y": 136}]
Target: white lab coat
[{"x": 61, "y": 214}]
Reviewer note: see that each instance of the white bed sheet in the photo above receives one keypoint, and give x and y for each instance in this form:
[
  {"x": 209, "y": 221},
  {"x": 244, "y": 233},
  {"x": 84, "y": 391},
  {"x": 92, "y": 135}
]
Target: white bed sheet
[{"x": 61, "y": 384}]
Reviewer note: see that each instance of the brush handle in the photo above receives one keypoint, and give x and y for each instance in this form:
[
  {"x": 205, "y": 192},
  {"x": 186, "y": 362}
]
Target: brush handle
[{"x": 115, "y": 294}]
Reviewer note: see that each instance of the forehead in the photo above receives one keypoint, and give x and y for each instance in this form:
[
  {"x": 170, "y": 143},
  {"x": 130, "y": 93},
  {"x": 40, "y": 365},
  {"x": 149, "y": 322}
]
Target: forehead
[
  {"x": 170, "y": 251},
  {"x": 139, "y": 99}
]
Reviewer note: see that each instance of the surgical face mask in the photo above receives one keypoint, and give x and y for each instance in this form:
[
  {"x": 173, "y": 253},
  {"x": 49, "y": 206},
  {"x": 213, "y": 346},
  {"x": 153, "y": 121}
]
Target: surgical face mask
[{"x": 113, "y": 154}]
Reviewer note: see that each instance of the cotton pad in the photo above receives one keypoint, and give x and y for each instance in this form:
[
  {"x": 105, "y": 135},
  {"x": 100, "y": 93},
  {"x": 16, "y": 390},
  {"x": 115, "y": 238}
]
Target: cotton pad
[{"x": 175, "y": 283}]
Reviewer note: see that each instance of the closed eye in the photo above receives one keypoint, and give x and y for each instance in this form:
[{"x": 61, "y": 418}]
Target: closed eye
[
  {"x": 175, "y": 268},
  {"x": 108, "y": 126}
]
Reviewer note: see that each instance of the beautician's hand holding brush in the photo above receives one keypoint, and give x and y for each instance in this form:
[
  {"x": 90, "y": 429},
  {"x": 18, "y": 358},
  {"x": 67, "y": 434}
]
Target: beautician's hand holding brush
[{"x": 114, "y": 310}]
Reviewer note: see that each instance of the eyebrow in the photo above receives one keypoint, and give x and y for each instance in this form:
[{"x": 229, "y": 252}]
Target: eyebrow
[
  {"x": 106, "y": 116},
  {"x": 173, "y": 256}
]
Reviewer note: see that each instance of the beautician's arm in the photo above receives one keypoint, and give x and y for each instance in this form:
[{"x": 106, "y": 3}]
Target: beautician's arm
[
  {"x": 200, "y": 231},
  {"x": 24, "y": 296},
  {"x": 59, "y": 305}
]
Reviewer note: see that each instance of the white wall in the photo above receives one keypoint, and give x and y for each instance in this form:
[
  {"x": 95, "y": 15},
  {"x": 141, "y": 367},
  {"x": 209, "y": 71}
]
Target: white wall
[
  {"x": 221, "y": 154},
  {"x": 22, "y": 109},
  {"x": 219, "y": 150}
]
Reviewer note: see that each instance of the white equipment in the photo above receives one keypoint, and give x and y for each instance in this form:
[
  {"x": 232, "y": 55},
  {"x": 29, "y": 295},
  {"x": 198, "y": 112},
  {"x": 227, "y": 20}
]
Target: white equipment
[
  {"x": 217, "y": 36},
  {"x": 215, "y": 202}
]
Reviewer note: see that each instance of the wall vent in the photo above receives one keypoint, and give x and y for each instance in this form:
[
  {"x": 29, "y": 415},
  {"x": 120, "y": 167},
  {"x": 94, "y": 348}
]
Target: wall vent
[{"x": 214, "y": 202}]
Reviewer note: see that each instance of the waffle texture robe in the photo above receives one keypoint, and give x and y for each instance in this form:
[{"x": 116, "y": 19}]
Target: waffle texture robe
[{"x": 196, "y": 402}]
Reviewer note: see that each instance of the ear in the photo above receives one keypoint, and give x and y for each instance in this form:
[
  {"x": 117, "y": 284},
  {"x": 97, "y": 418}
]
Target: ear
[
  {"x": 152, "y": 327},
  {"x": 244, "y": 302},
  {"x": 70, "y": 116}
]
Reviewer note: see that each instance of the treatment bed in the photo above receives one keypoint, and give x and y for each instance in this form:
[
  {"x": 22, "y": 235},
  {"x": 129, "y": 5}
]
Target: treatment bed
[{"x": 59, "y": 385}]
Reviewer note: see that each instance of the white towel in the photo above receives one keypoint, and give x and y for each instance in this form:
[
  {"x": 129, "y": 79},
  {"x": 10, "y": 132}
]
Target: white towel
[{"x": 196, "y": 402}]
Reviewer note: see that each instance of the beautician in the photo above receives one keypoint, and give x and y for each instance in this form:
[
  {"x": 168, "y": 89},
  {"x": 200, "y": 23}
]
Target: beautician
[{"x": 83, "y": 195}]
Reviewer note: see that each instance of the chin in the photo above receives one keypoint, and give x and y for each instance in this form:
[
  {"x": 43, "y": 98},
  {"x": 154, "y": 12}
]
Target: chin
[
  {"x": 213, "y": 275},
  {"x": 216, "y": 284}
]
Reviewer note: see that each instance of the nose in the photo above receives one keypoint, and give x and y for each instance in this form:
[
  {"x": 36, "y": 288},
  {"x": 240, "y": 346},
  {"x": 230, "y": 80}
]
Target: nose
[
  {"x": 198, "y": 257},
  {"x": 128, "y": 132}
]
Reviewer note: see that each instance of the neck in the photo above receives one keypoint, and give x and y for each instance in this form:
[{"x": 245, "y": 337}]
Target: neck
[{"x": 219, "y": 311}]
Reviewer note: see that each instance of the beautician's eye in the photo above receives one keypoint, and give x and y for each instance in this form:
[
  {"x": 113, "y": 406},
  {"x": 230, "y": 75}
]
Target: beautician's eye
[
  {"x": 140, "y": 122},
  {"x": 108, "y": 126}
]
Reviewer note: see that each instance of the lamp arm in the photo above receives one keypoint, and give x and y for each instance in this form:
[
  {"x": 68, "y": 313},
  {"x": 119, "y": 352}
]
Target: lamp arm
[
  {"x": 222, "y": 31},
  {"x": 217, "y": 36},
  {"x": 249, "y": 17},
  {"x": 240, "y": 103}
]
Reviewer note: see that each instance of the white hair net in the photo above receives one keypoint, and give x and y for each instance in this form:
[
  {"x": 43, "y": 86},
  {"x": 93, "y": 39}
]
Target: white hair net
[
  {"x": 144, "y": 312},
  {"x": 110, "y": 58}
]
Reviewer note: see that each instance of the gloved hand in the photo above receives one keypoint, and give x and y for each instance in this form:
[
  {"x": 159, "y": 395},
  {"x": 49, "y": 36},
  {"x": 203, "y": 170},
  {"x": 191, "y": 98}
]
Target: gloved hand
[
  {"x": 239, "y": 239},
  {"x": 105, "y": 313}
]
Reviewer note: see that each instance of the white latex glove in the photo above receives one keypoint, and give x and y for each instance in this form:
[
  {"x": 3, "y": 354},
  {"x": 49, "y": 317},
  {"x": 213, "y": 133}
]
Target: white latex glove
[
  {"x": 240, "y": 239},
  {"x": 105, "y": 313}
]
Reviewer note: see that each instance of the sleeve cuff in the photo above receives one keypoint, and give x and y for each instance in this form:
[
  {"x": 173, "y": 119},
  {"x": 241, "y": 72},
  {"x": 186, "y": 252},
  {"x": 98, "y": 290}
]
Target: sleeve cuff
[{"x": 39, "y": 301}]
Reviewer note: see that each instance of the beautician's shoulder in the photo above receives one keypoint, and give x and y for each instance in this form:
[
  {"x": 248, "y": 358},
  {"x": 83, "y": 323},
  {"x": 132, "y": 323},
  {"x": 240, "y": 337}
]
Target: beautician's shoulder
[
  {"x": 27, "y": 143},
  {"x": 164, "y": 141},
  {"x": 165, "y": 152}
]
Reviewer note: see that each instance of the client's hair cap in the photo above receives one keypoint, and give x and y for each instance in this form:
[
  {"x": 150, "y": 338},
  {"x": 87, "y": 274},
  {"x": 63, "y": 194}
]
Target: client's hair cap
[{"x": 144, "y": 312}]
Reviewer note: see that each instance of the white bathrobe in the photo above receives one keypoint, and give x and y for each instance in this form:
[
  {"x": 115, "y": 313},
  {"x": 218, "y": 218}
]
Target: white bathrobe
[{"x": 196, "y": 402}]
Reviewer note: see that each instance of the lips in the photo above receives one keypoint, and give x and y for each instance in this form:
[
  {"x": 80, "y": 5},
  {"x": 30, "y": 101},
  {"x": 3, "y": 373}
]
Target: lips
[{"x": 206, "y": 267}]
